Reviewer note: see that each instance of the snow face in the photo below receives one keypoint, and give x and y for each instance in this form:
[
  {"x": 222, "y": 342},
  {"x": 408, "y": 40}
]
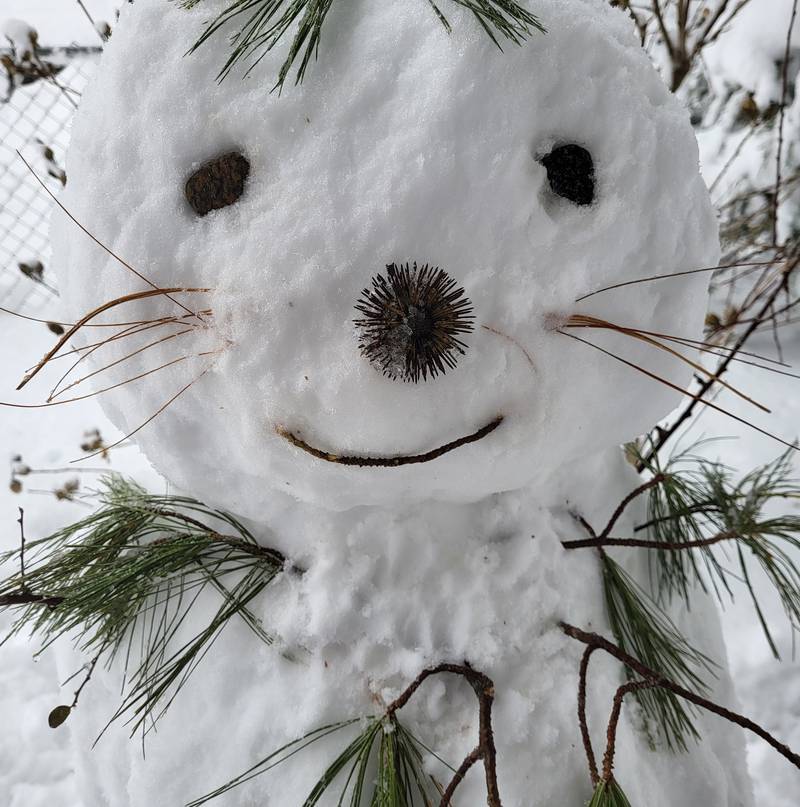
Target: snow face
[{"x": 404, "y": 144}]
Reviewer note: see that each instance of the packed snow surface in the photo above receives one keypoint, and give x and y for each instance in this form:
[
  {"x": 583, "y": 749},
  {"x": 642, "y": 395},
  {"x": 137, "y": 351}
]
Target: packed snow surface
[{"x": 404, "y": 144}]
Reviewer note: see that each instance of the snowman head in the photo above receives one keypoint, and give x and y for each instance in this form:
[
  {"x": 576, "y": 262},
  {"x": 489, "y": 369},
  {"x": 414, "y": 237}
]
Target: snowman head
[{"x": 391, "y": 250}]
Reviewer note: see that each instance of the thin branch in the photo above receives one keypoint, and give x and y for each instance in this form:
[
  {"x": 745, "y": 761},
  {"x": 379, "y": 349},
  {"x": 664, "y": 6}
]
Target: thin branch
[
  {"x": 600, "y": 541},
  {"x": 585, "y": 736},
  {"x": 388, "y": 462},
  {"x": 658, "y": 680},
  {"x": 784, "y": 92},
  {"x": 483, "y": 687},
  {"x": 664, "y": 435},
  {"x": 613, "y": 722}
]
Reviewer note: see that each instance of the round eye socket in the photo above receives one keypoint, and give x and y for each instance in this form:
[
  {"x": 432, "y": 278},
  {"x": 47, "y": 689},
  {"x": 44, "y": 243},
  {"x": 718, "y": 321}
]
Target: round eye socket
[
  {"x": 570, "y": 172},
  {"x": 217, "y": 183}
]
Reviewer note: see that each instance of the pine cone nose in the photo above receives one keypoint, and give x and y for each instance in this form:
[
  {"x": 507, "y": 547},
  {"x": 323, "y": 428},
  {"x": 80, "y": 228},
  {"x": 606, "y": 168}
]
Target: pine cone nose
[{"x": 411, "y": 320}]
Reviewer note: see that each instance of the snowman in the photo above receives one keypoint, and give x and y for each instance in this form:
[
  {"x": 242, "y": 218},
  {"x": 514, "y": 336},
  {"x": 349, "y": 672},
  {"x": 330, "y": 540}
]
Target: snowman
[{"x": 372, "y": 274}]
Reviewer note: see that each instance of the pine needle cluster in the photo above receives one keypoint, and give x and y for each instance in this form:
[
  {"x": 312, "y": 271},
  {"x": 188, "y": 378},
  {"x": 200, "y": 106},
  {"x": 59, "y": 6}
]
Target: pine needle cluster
[
  {"x": 382, "y": 766},
  {"x": 608, "y": 794},
  {"x": 643, "y": 630},
  {"x": 263, "y": 24},
  {"x": 122, "y": 582},
  {"x": 708, "y": 522}
]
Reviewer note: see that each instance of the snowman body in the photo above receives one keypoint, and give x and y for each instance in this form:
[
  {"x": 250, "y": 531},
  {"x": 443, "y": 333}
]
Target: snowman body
[{"x": 405, "y": 145}]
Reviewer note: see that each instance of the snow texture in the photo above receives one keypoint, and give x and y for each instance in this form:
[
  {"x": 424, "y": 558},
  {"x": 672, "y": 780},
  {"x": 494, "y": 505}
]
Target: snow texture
[
  {"x": 404, "y": 144},
  {"x": 400, "y": 146}
]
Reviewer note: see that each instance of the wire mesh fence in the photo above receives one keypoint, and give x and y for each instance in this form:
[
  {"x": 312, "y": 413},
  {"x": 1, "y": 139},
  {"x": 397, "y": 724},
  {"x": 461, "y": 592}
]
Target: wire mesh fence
[{"x": 35, "y": 119}]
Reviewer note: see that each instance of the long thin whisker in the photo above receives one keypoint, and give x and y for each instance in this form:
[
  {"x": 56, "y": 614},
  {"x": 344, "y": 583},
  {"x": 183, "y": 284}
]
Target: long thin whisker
[
  {"x": 140, "y": 295},
  {"x": 88, "y": 325},
  {"x": 512, "y": 341},
  {"x": 149, "y": 420},
  {"x": 100, "y": 243},
  {"x": 711, "y": 346},
  {"x": 676, "y": 274},
  {"x": 132, "y": 331},
  {"x": 583, "y": 321},
  {"x": 88, "y": 352},
  {"x": 723, "y": 352},
  {"x": 54, "y": 394},
  {"x": 99, "y": 391},
  {"x": 669, "y": 384}
]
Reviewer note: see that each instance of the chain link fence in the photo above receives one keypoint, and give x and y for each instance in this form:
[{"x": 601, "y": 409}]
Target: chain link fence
[{"x": 35, "y": 119}]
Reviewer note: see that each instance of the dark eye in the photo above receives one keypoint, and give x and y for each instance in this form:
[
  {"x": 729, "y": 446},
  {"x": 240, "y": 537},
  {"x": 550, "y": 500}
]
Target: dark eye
[
  {"x": 570, "y": 172},
  {"x": 217, "y": 183}
]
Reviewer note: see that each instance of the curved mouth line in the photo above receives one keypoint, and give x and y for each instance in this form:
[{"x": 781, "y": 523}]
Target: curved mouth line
[{"x": 390, "y": 462}]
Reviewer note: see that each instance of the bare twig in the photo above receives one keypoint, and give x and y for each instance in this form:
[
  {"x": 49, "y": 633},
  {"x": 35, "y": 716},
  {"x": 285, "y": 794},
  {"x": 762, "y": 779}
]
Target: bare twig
[
  {"x": 585, "y": 736},
  {"x": 781, "y": 120},
  {"x": 656, "y": 679},
  {"x": 600, "y": 541},
  {"x": 388, "y": 462},
  {"x": 483, "y": 687}
]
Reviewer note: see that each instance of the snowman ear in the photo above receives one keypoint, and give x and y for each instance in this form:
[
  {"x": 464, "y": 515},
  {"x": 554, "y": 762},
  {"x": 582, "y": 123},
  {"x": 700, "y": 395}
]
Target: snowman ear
[{"x": 570, "y": 172}]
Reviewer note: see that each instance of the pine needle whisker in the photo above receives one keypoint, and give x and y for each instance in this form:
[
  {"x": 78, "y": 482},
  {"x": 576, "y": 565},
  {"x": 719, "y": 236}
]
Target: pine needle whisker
[
  {"x": 141, "y": 295},
  {"x": 682, "y": 391},
  {"x": 56, "y": 392},
  {"x": 106, "y": 249},
  {"x": 651, "y": 278},
  {"x": 584, "y": 321}
]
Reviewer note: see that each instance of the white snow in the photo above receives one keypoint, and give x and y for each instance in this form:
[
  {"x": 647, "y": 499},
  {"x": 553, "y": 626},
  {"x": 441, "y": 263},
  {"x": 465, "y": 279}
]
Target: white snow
[
  {"x": 391, "y": 589},
  {"x": 61, "y": 22},
  {"x": 399, "y": 147},
  {"x": 18, "y": 34}
]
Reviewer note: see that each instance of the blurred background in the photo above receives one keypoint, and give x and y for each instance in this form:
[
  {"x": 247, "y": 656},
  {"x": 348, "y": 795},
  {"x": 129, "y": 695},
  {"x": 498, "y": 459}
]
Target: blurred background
[{"x": 734, "y": 63}]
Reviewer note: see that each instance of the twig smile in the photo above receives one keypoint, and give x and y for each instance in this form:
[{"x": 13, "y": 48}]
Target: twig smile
[{"x": 389, "y": 462}]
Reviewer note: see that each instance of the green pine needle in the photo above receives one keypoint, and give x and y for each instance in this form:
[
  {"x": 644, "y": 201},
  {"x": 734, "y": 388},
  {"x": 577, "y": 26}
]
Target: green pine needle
[
  {"x": 608, "y": 794},
  {"x": 125, "y": 578},
  {"x": 263, "y": 24},
  {"x": 699, "y": 499},
  {"x": 382, "y": 766},
  {"x": 644, "y": 631}
]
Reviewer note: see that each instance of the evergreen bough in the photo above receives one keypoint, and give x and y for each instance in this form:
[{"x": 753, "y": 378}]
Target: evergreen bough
[
  {"x": 123, "y": 581},
  {"x": 263, "y": 24}
]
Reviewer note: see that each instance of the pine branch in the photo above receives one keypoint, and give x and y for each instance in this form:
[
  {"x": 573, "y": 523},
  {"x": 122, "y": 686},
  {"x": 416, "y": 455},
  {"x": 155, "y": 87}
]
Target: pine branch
[
  {"x": 127, "y": 576},
  {"x": 656, "y": 679},
  {"x": 646, "y": 632},
  {"x": 263, "y": 24},
  {"x": 699, "y": 505}
]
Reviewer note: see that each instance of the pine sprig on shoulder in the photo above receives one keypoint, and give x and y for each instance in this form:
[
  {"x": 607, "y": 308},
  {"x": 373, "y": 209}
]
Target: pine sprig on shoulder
[
  {"x": 123, "y": 580},
  {"x": 263, "y": 24},
  {"x": 699, "y": 512},
  {"x": 644, "y": 631}
]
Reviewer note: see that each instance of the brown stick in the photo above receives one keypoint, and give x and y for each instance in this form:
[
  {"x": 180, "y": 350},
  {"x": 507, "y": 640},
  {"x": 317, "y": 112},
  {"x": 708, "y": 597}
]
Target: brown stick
[
  {"x": 657, "y": 679},
  {"x": 585, "y": 736},
  {"x": 677, "y": 546},
  {"x": 613, "y": 722},
  {"x": 389, "y": 462},
  {"x": 643, "y": 488},
  {"x": 781, "y": 121},
  {"x": 28, "y": 598},
  {"x": 483, "y": 687}
]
